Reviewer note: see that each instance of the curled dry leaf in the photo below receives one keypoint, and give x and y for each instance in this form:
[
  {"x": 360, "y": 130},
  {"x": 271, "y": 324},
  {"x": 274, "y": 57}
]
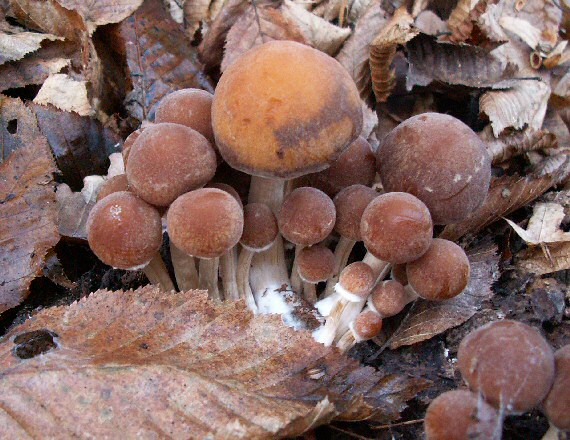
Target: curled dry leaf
[
  {"x": 180, "y": 366},
  {"x": 462, "y": 19},
  {"x": 398, "y": 31},
  {"x": 544, "y": 225},
  {"x": 159, "y": 57},
  {"x": 429, "y": 23},
  {"x": 27, "y": 202},
  {"x": 14, "y": 46},
  {"x": 355, "y": 54},
  {"x": 427, "y": 319},
  {"x": 194, "y": 11},
  {"x": 543, "y": 260},
  {"x": 31, "y": 70},
  {"x": 523, "y": 105},
  {"x": 65, "y": 93}
]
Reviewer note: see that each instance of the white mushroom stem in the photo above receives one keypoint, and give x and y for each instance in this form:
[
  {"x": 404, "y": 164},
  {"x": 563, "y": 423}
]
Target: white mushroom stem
[
  {"x": 228, "y": 273},
  {"x": 341, "y": 254},
  {"x": 208, "y": 277},
  {"x": 184, "y": 269},
  {"x": 244, "y": 289},
  {"x": 296, "y": 281},
  {"x": 349, "y": 338},
  {"x": 157, "y": 273},
  {"x": 379, "y": 267}
]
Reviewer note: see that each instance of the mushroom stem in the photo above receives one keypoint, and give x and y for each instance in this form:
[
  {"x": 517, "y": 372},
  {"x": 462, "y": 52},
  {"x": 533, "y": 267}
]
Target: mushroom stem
[
  {"x": 208, "y": 277},
  {"x": 244, "y": 289},
  {"x": 346, "y": 342},
  {"x": 228, "y": 272},
  {"x": 341, "y": 253},
  {"x": 184, "y": 269},
  {"x": 379, "y": 267},
  {"x": 552, "y": 433},
  {"x": 296, "y": 281},
  {"x": 157, "y": 273},
  {"x": 268, "y": 191},
  {"x": 310, "y": 292}
]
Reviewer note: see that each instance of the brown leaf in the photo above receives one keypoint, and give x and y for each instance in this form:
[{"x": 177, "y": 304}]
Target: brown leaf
[
  {"x": 194, "y": 12},
  {"x": 16, "y": 45},
  {"x": 99, "y": 12},
  {"x": 398, "y": 31},
  {"x": 259, "y": 24},
  {"x": 27, "y": 202},
  {"x": 159, "y": 59},
  {"x": 506, "y": 194},
  {"x": 427, "y": 319},
  {"x": 543, "y": 260},
  {"x": 145, "y": 364},
  {"x": 544, "y": 225},
  {"x": 65, "y": 93},
  {"x": 463, "y": 65},
  {"x": 355, "y": 53},
  {"x": 463, "y": 22},
  {"x": 31, "y": 70}
]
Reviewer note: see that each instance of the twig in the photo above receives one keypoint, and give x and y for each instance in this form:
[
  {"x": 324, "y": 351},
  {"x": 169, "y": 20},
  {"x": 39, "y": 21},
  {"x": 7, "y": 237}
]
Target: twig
[
  {"x": 389, "y": 426},
  {"x": 352, "y": 434}
]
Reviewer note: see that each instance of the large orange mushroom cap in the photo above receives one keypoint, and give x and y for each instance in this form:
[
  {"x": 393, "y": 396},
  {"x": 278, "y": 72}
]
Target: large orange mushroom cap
[{"x": 284, "y": 109}]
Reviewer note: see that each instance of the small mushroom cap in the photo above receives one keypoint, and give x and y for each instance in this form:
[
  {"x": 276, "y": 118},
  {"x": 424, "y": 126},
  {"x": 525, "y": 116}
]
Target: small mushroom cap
[
  {"x": 114, "y": 184},
  {"x": 124, "y": 231},
  {"x": 129, "y": 141},
  {"x": 441, "y": 273},
  {"x": 356, "y": 279},
  {"x": 350, "y": 204},
  {"x": 259, "y": 227},
  {"x": 388, "y": 298},
  {"x": 441, "y": 161},
  {"x": 396, "y": 227},
  {"x": 284, "y": 109},
  {"x": 307, "y": 216},
  {"x": 399, "y": 274},
  {"x": 461, "y": 415},
  {"x": 509, "y": 363},
  {"x": 557, "y": 403},
  {"x": 315, "y": 264},
  {"x": 355, "y": 166},
  {"x": 168, "y": 160},
  {"x": 205, "y": 223},
  {"x": 366, "y": 325},
  {"x": 189, "y": 107}
]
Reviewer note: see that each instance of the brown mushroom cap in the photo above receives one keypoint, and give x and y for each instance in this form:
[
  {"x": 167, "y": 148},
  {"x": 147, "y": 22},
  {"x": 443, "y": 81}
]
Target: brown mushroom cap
[
  {"x": 396, "y": 227},
  {"x": 284, "y": 109},
  {"x": 388, "y": 298},
  {"x": 366, "y": 325},
  {"x": 307, "y": 216},
  {"x": 189, "y": 107},
  {"x": 441, "y": 273},
  {"x": 557, "y": 403},
  {"x": 461, "y": 415},
  {"x": 509, "y": 363},
  {"x": 124, "y": 231},
  {"x": 315, "y": 264},
  {"x": 168, "y": 160},
  {"x": 259, "y": 227},
  {"x": 356, "y": 279},
  {"x": 227, "y": 188},
  {"x": 350, "y": 204},
  {"x": 205, "y": 223},
  {"x": 114, "y": 184},
  {"x": 129, "y": 141},
  {"x": 441, "y": 161},
  {"x": 355, "y": 166},
  {"x": 399, "y": 274}
]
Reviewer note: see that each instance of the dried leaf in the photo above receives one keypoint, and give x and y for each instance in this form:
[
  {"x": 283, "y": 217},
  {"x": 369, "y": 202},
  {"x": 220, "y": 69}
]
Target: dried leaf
[
  {"x": 427, "y": 319},
  {"x": 180, "y": 366},
  {"x": 194, "y": 12},
  {"x": 32, "y": 70},
  {"x": 159, "y": 59},
  {"x": 522, "y": 29},
  {"x": 65, "y": 93},
  {"x": 463, "y": 65},
  {"x": 541, "y": 261},
  {"x": 460, "y": 21},
  {"x": 544, "y": 225},
  {"x": 522, "y": 106},
  {"x": 259, "y": 24},
  {"x": 99, "y": 12},
  {"x": 27, "y": 204},
  {"x": 355, "y": 54},
  {"x": 15, "y": 46},
  {"x": 398, "y": 31},
  {"x": 430, "y": 24},
  {"x": 506, "y": 194}
]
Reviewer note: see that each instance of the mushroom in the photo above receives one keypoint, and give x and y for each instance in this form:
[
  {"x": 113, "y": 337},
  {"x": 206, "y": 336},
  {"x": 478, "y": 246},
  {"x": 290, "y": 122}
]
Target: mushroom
[
  {"x": 398, "y": 273},
  {"x": 282, "y": 110},
  {"x": 557, "y": 403},
  {"x": 205, "y": 223},
  {"x": 365, "y": 326},
  {"x": 439, "y": 274},
  {"x": 306, "y": 217},
  {"x": 129, "y": 141},
  {"x": 168, "y": 160},
  {"x": 461, "y": 415},
  {"x": 114, "y": 184},
  {"x": 315, "y": 264},
  {"x": 125, "y": 232},
  {"x": 509, "y": 363},
  {"x": 441, "y": 161},
  {"x": 350, "y": 204},
  {"x": 259, "y": 233}
]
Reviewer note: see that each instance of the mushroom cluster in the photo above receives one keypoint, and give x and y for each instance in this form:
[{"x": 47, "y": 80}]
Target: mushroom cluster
[
  {"x": 291, "y": 118},
  {"x": 509, "y": 369}
]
